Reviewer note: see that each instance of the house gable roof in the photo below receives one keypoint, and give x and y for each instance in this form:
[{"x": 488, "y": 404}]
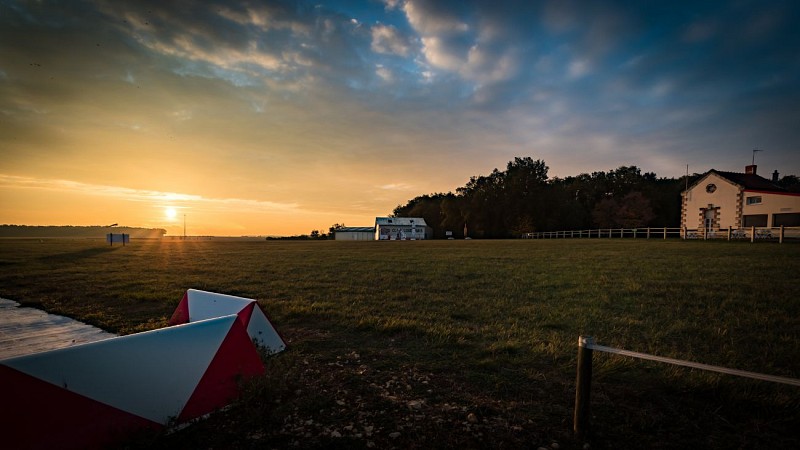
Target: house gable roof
[
  {"x": 355, "y": 230},
  {"x": 748, "y": 181},
  {"x": 406, "y": 221}
]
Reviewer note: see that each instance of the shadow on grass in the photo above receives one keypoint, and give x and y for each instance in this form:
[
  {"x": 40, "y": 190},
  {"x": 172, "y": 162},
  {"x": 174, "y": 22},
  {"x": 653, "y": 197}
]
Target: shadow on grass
[{"x": 78, "y": 255}]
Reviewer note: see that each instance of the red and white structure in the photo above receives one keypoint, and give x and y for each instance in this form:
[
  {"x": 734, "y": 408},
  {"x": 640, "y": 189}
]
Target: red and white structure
[
  {"x": 92, "y": 395},
  {"x": 200, "y": 305}
]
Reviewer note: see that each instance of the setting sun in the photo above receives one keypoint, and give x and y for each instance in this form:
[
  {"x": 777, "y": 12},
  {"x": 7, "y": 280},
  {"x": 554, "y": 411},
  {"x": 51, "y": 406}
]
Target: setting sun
[{"x": 171, "y": 213}]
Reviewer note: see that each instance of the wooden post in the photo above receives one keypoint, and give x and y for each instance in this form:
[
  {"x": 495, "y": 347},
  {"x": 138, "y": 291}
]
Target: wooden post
[
  {"x": 780, "y": 235},
  {"x": 648, "y": 232},
  {"x": 684, "y": 232},
  {"x": 665, "y": 233},
  {"x": 634, "y": 233},
  {"x": 730, "y": 231},
  {"x": 583, "y": 386},
  {"x": 752, "y": 234}
]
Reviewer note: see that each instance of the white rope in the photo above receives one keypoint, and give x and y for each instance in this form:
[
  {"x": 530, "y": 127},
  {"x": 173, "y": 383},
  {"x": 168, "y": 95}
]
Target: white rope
[{"x": 694, "y": 365}]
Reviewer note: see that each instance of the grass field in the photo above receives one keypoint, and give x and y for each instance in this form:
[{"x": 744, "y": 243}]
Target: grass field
[{"x": 433, "y": 344}]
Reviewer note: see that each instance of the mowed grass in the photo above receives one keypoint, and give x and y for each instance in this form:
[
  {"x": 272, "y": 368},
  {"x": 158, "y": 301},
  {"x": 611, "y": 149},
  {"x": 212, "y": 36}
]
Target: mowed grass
[{"x": 492, "y": 325}]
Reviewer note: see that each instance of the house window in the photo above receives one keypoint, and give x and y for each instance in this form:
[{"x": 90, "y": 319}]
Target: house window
[{"x": 753, "y": 200}]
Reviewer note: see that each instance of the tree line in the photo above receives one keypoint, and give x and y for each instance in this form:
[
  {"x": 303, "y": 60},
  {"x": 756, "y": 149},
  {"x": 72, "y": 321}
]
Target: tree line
[
  {"x": 94, "y": 231},
  {"x": 523, "y": 199}
]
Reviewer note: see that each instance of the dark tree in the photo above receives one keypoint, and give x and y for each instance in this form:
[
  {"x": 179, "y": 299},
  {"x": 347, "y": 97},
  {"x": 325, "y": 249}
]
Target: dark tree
[{"x": 790, "y": 182}]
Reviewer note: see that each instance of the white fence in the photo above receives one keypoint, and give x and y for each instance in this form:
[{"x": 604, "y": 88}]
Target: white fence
[{"x": 750, "y": 233}]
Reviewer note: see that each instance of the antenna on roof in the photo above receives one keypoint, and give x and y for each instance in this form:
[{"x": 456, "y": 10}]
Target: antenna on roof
[
  {"x": 754, "y": 155},
  {"x": 687, "y": 177}
]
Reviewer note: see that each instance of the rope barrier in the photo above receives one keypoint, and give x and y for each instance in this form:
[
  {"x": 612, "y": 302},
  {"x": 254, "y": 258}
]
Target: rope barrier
[
  {"x": 583, "y": 383},
  {"x": 694, "y": 365}
]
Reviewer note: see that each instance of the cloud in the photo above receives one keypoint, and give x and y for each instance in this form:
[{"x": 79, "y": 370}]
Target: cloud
[
  {"x": 384, "y": 73},
  {"x": 143, "y": 195},
  {"x": 578, "y": 69},
  {"x": 386, "y": 39},
  {"x": 431, "y": 17},
  {"x": 397, "y": 187}
]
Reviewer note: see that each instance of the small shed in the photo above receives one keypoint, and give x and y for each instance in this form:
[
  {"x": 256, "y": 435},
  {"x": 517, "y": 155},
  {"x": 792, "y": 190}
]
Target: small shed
[{"x": 355, "y": 234}]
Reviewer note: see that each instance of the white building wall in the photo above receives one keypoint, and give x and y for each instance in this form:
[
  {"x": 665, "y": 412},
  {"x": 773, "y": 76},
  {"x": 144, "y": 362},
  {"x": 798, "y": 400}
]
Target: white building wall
[
  {"x": 354, "y": 236},
  {"x": 724, "y": 200},
  {"x": 771, "y": 203}
]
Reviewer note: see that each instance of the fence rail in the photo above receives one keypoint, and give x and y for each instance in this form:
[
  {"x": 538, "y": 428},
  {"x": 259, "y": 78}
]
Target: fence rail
[
  {"x": 584, "y": 378},
  {"x": 730, "y": 233}
]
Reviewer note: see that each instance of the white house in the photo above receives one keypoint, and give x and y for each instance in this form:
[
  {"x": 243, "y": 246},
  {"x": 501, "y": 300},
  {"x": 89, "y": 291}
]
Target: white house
[
  {"x": 719, "y": 200},
  {"x": 402, "y": 228}
]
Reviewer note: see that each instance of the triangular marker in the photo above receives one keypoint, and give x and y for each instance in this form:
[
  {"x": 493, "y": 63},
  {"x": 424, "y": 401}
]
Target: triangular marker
[
  {"x": 41, "y": 415},
  {"x": 236, "y": 359}
]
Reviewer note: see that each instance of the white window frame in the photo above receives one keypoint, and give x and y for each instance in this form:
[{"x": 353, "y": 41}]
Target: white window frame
[{"x": 754, "y": 200}]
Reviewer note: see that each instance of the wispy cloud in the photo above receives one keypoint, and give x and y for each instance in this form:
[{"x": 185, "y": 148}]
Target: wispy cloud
[
  {"x": 143, "y": 195},
  {"x": 397, "y": 187}
]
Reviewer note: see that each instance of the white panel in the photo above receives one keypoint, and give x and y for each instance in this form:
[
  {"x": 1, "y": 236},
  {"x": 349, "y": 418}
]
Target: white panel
[
  {"x": 263, "y": 332},
  {"x": 150, "y": 374},
  {"x": 205, "y": 305}
]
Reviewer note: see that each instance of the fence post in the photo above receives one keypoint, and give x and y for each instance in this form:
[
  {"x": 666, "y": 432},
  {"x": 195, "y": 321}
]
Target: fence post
[
  {"x": 648, "y": 232},
  {"x": 583, "y": 386},
  {"x": 730, "y": 230},
  {"x": 665, "y": 233},
  {"x": 684, "y": 232},
  {"x": 752, "y": 234},
  {"x": 780, "y": 235}
]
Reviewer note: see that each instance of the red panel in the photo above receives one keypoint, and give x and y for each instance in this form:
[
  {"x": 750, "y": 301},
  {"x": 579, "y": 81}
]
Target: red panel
[
  {"x": 245, "y": 313},
  {"x": 38, "y": 414},
  {"x": 235, "y": 360},
  {"x": 181, "y": 314}
]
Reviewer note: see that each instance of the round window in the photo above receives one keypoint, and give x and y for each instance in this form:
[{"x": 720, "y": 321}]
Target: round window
[{"x": 711, "y": 188}]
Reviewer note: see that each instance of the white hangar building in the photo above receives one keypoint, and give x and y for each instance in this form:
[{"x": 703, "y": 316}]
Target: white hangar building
[{"x": 355, "y": 234}]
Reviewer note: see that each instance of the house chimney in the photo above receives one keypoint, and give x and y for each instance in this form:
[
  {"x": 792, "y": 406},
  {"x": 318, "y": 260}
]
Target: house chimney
[
  {"x": 750, "y": 169},
  {"x": 775, "y": 176}
]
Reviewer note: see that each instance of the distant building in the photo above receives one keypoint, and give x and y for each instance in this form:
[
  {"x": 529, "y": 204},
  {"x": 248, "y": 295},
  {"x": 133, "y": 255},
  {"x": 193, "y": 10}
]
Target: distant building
[
  {"x": 354, "y": 234},
  {"x": 719, "y": 200},
  {"x": 402, "y": 228}
]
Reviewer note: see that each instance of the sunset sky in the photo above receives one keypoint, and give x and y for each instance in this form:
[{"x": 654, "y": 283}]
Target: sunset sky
[{"x": 279, "y": 117}]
